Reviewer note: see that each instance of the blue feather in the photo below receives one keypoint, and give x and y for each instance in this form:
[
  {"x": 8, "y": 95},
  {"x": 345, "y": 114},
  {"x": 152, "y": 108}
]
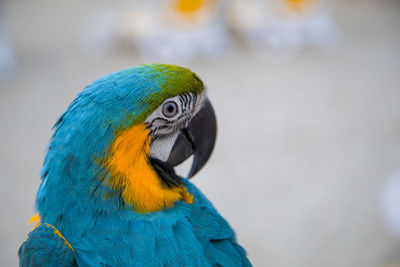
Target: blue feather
[
  {"x": 101, "y": 228},
  {"x": 44, "y": 248}
]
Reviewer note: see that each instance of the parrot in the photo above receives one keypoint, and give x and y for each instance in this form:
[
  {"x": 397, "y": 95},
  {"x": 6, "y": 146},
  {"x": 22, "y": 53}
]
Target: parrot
[{"x": 109, "y": 194}]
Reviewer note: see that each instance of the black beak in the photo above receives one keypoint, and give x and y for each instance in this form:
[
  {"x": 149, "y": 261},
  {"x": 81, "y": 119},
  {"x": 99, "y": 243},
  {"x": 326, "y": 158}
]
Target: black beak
[{"x": 197, "y": 139}]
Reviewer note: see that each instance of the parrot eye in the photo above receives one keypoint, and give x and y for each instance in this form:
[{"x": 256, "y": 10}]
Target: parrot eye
[{"x": 170, "y": 109}]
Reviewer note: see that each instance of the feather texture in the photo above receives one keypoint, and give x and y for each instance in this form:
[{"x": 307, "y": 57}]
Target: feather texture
[
  {"x": 186, "y": 235},
  {"x": 77, "y": 198},
  {"x": 45, "y": 248}
]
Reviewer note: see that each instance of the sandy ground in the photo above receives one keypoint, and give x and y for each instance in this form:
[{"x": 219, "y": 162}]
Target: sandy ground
[{"x": 304, "y": 145}]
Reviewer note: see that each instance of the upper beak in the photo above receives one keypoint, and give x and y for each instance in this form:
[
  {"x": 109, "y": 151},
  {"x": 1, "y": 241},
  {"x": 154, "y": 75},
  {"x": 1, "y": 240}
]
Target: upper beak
[{"x": 197, "y": 139}]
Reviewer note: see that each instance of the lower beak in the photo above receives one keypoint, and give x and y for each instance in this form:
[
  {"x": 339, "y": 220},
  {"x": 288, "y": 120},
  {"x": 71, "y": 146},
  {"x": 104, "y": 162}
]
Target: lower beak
[{"x": 197, "y": 139}]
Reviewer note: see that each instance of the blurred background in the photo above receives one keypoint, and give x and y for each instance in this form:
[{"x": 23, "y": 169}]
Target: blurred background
[{"x": 306, "y": 166}]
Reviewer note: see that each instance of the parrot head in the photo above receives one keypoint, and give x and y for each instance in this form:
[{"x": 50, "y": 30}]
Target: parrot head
[{"x": 120, "y": 139}]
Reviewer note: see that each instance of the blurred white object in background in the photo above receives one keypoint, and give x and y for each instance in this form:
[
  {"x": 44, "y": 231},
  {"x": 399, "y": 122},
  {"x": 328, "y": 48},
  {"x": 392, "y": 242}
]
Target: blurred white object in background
[
  {"x": 290, "y": 24},
  {"x": 390, "y": 203},
  {"x": 174, "y": 30},
  {"x": 7, "y": 59},
  {"x": 183, "y": 31},
  {"x": 180, "y": 31}
]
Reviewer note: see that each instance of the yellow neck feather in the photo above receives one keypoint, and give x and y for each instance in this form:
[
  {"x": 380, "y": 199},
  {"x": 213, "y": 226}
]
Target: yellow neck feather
[{"x": 131, "y": 172}]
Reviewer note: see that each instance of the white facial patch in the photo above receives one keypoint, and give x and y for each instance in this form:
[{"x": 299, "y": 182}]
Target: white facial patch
[{"x": 168, "y": 119}]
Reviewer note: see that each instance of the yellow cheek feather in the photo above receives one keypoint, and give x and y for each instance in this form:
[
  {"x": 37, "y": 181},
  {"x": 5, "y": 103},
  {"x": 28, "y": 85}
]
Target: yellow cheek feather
[{"x": 130, "y": 171}]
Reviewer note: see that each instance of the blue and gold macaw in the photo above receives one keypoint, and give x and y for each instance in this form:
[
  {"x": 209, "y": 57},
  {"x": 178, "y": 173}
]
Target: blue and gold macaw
[{"x": 109, "y": 194}]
